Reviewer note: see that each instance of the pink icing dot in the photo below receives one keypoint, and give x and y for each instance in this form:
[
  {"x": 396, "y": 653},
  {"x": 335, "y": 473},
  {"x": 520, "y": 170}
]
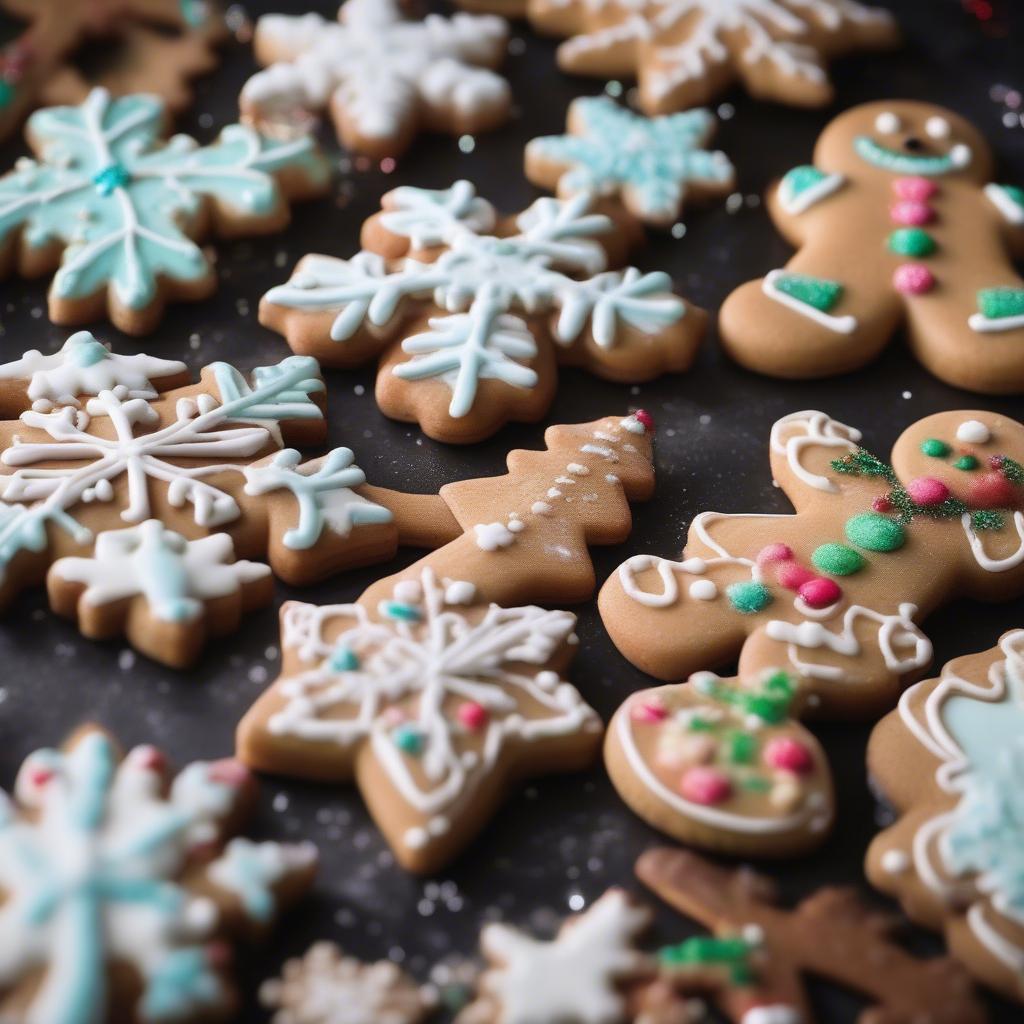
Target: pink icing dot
[
  {"x": 788, "y": 755},
  {"x": 644, "y": 418},
  {"x": 705, "y": 786},
  {"x": 793, "y": 576},
  {"x": 917, "y": 189},
  {"x": 926, "y": 490},
  {"x": 648, "y": 711},
  {"x": 911, "y": 213},
  {"x": 39, "y": 777},
  {"x": 913, "y": 279},
  {"x": 774, "y": 553},
  {"x": 820, "y": 593},
  {"x": 472, "y": 715}
]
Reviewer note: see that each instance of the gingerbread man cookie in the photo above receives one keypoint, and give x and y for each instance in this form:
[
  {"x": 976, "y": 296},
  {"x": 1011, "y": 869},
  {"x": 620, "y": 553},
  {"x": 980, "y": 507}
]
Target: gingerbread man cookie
[
  {"x": 685, "y": 52},
  {"x": 130, "y": 491},
  {"x": 117, "y": 212},
  {"x": 472, "y": 312},
  {"x": 121, "y": 890},
  {"x": 383, "y": 77},
  {"x": 833, "y": 594},
  {"x": 897, "y": 189},
  {"x": 950, "y": 761},
  {"x": 435, "y": 691},
  {"x": 753, "y": 968}
]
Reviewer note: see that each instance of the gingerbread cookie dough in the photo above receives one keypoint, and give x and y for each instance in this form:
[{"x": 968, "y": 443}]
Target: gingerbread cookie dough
[
  {"x": 950, "y": 760},
  {"x": 718, "y": 763},
  {"x": 117, "y": 212},
  {"x": 897, "y": 223},
  {"x": 121, "y": 890},
  {"x": 130, "y": 491},
  {"x": 471, "y": 313},
  {"x": 652, "y": 165},
  {"x": 686, "y": 52},
  {"x": 158, "y": 47},
  {"x": 753, "y": 967},
  {"x": 383, "y": 77},
  {"x": 833, "y": 594}
]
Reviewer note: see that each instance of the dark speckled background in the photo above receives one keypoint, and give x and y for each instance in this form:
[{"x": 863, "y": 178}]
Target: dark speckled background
[{"x": 562, "y": 838}]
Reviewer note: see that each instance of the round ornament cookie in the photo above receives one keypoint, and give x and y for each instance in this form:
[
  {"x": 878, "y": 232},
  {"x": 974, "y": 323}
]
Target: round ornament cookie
[
  {"x": 897, "y": 224},
  {"x": 950, "y": 761}
]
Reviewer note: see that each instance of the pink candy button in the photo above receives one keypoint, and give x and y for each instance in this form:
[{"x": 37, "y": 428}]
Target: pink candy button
[
  {"x": 788, "y": 755},
  {"x": 820, "y": 593},
  {"x": 913, "y": 279},
  {"x": 911, "y": 213},
  {"x": 705, "y": 786},
  {"x": 926, "y": 490},
  {"x": 918, "y": 189}
]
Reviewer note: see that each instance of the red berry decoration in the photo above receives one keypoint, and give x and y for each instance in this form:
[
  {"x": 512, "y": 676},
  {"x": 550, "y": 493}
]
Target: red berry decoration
[
  {"x": 472, "y": 715},
  {"x": 926, "y": 490},
  {"x": 788, "y": 755},
  {"x": 820, "y": 593},
  {"x": 705, "y": 786},
  {"x": 991, "y": 490}
]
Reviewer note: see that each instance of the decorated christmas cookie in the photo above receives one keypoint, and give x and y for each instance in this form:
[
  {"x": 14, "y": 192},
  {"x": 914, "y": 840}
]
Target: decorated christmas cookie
[
  {"x": 436, "y": 691},
  {"x": 326, "y": 987},
  {"x": 580, "y": 977},
  {"x": 834, "y": 593},
  {"x": 718, "y": 763},
  {"x": 120, "y": 890},
  {"x": 652, "y": 165},
  {"x": 896, "y": 192},
  {"x": 117, "y": 212},
  {"x": 383, "y": 77},
  {"x": 137, "y": 501},
  {"x": 155, "y": 46},
  {"x": 754, "y": 965},
  {"x": 472, "y": 312},
  {"x": 685, "y": 52},
  {"x": 950, "y": 760}
]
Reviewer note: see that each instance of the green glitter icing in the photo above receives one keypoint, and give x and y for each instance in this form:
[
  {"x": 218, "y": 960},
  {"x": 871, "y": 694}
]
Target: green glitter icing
[
  {"x": 816, "y": 292},
  {"x": 987, "y": 519},
  {"x": 934, "y": 448},
  {"x": 1001, "y": 303},
  {"x": 800, "y": 179},
  {"x": 966, "y": 463},
  {"x": 704, "y": 950},
  {"x": 770, "y": 701},
  {"x": 742, "y": 748},
  {"x": 863, "y": 463},
  {"x": 1013, "y": 471},
  {"x": 837, "y": 560},
  {"x": 875, "y": 532},
  {"x": 911, "y": 242},
  {"x": 749, "y": 597}
]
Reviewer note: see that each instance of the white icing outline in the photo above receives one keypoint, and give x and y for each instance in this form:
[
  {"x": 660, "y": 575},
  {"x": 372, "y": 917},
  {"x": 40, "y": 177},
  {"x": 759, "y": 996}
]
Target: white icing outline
[
  {"x": 837, "y": 324},
  {"x": 819, "y": 429}
]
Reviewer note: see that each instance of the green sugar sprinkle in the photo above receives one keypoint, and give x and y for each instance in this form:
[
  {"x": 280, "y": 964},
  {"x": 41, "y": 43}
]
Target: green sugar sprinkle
[
  {"x": 987, "y": 520},
  {"x": 837, "y": 560},
  {"x": 875, "y": 532}
]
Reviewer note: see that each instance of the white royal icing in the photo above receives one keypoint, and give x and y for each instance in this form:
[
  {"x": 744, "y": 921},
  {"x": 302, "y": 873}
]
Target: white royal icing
[
  {"x": 811, "y": 429},
  {"x": 973, "y": 432}
]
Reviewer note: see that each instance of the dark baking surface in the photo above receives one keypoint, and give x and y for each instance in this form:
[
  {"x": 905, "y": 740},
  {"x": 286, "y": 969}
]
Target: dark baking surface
[{"x": 560, "y": 838}]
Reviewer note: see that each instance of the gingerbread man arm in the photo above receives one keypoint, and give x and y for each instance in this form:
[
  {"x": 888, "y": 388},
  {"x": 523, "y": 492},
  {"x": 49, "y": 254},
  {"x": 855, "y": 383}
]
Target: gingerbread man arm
[{"x": 1009, "y": 202}]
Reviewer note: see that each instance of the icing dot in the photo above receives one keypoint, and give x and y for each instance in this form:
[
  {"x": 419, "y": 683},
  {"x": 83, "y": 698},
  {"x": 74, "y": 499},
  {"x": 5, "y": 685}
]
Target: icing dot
[
  {"x": 774, "y": 553},
  {"x": 820, "y": 593},
  {"x": 703, "y": 590},
  {"x": 881, "y": 503},
  {"x": 705, "y": 786},
  {"x": 913, "y": 279},
  {"x": 917, "y": 189},
  {"x": 749, "y": 597},
  {"x": 837, "y": 560},
  {"x": 459, "y": 592},
  {"x": 874, "y": 532},
  {"x": 973, "y": 432},
  {"x": 966, "y": 463},
  {"x": 788, "y": 755},
  {"x": 937, "y": 127},
  {"x": 649, "y": 711},
  {"x": 408, "y": 740},
  {"x": 643, "y": 417},
  {"x": 540, "y": 508},
  {"x": 577, "y": 469},
  {"x": 472, "y": 715},
  {"x": 110, "y": 178},
  {"x": 888, "y": 123},
  {"x": 895, "y": 862},
  {"x": 408, "y": 591},
  {"x": 911, "y": 242},
  {"x": 344, "y": 660},
  {"x": 935, "y": 448},
  {"x": 911, "y": 213},
  {"x": 793, "y": 576},
  {"x": 992, "y": 490},
  {"x": 926, "y": 490}
]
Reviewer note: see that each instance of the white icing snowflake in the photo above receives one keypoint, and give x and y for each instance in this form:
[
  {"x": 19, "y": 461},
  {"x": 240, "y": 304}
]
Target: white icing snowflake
[
  {"x": 381, "y": 73},
  {"x": 175, "y": 575},
  {"x": 483, "y": 280},
  {"x": 97, "y": 865},
  {"x": 386, "y": 681}
]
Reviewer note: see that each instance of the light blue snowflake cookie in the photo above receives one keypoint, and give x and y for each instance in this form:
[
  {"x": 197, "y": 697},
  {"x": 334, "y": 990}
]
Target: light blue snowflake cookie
[
  {"x": 123, "y": 208},
  {"x": 653, "y": 165}
]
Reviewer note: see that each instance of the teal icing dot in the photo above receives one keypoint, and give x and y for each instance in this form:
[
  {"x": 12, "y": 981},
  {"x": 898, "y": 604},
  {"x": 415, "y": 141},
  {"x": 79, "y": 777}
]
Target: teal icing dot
[
  {"x": 934, "y": 448},
  {"x": 408, "y": 740},
  {"x": 398, "y": 610},
  {"x": 749, "y": 597},
  {"x": 837, "y": 560},
  {"x": 966, "y": 463},
  {"x": 344, "y": 660},
  {"x": 875, "y": 532},
  {"x": 111, "y": 177},
  {"x": 911, "y": 242}
]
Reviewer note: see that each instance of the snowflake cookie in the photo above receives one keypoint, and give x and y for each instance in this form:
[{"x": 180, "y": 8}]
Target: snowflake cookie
[
  {"x": 383, "y": 76},
  {"x": 685, "y": 52},
  {"x": 653, "y": 165},
  {"x": 120, "y": 890},
  {"x": 157, "y": 46},
  {"x": 116, "y": 210},
  {"x": 472, "y": 312},
  {"x": 950, "y": 759},
  {"x": 327, "y": 987},
  {"x": 833, "y": 594},
  {"x": 135, "y": 488},
  {"x": 579, "y": 977},
  {"x": 753, "y": 965}
]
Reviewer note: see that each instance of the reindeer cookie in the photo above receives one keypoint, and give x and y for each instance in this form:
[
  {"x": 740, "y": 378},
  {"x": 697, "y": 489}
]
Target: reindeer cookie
[
  {"x": 436, "y": 691},
  {"x": 897, "y": 224},
  {"x": 833, "y": 594},
  {"x": 950, "y": 760},
  {"x": 471, "y": 313}
]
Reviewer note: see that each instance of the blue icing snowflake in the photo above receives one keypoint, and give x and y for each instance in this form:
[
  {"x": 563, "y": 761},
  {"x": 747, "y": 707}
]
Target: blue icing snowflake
[
  {"x": 651, "y": 162},
  {"x": 122, "y": 204}
]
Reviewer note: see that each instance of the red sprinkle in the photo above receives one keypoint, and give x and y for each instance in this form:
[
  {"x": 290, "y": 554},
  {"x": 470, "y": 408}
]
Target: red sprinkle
[
  {"x": 39, "y": 777},
  {"x": 926, "y": 490},
  {"x": 788, "y": 755},
  {"x": 645, "y": 419},
  {"x": 705, "y": 786},
  {"x": 820, "y": 593},
  {"x": 881, "y": 503},
  {"x": 649, "y": 711},
  {"x": 774, "y": 553},
  {"x": 472, "y": 715}
]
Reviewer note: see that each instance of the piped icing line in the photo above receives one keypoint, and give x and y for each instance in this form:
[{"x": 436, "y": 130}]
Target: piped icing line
[
  {"x": 818, "y": 430},
  {"x": 1011, "y": 209},
  {"x": 796, "y": 203},
  {"x": 838, "y": 324},
  {"x": 977, "y": 545}
]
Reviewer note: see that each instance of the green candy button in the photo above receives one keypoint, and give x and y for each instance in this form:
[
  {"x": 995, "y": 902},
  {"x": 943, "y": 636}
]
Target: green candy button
[
  {"x": 935, "y": 448},
  {"x": 875, "y": 532},
  {"x": 837, "y": 560},
  {"x": 911, "y": 242},
  {"x": 966, "y": 462}
]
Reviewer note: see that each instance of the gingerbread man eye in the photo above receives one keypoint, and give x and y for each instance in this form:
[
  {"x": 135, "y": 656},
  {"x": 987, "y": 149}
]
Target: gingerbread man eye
[
  {"x": 937, "y": 128},
  {"x": 973, "y": 432},
  {"x": 888, "y": 123}
]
